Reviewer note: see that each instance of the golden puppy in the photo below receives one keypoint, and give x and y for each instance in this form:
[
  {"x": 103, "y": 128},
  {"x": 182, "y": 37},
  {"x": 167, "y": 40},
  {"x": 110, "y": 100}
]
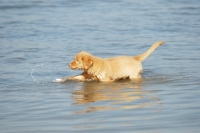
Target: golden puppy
[{"x": 109, "y": 69}]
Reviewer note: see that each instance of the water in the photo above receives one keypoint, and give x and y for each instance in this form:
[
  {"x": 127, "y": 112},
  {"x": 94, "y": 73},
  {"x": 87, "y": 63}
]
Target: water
[{"x": 39, "y": 38}]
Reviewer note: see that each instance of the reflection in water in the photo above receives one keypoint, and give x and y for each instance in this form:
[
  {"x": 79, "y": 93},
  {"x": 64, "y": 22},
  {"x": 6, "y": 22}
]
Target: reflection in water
[{"x": 118, "y": 95}]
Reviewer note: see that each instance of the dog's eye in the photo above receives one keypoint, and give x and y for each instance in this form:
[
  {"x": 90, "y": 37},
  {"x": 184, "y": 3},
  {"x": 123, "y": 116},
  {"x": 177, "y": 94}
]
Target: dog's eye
[{"x": 77, "y": 60}]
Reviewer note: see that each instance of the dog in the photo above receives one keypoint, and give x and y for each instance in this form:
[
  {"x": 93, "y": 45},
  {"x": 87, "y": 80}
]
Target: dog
[{"x": 108, "y": 69}]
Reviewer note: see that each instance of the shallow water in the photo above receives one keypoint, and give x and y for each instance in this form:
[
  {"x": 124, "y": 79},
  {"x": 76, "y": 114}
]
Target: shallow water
[{"x": 39, "y": 38}]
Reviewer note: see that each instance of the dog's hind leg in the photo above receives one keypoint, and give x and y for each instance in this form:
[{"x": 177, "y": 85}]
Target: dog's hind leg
[{"x": 135, "y": 76}]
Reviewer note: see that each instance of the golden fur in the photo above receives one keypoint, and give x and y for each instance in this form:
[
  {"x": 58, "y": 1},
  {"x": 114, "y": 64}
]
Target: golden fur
[{"x": 109, "y": 69}]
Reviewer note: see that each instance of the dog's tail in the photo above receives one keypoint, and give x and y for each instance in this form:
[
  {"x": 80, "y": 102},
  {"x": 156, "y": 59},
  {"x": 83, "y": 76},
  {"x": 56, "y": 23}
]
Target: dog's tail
[{"x": 143, "y": 56}]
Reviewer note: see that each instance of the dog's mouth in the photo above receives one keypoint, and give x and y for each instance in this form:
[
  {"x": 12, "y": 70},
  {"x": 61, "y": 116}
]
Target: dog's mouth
[{"x": 74, "y": 67}]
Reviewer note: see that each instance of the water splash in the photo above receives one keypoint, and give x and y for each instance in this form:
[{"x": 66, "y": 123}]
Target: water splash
[{"x": 41, "y": 72}]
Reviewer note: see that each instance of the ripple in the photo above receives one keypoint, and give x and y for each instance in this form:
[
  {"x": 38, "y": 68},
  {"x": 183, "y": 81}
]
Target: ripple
[{"x": 14, "y": 7}]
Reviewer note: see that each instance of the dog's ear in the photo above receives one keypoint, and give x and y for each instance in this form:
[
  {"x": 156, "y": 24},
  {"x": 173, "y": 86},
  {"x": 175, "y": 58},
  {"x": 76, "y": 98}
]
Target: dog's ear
[{"x": 87, "y": 62}]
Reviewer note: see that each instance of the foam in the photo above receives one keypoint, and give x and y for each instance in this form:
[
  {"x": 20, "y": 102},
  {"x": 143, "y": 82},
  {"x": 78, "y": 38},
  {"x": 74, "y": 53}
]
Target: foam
[{"x": 57, "y": 80}]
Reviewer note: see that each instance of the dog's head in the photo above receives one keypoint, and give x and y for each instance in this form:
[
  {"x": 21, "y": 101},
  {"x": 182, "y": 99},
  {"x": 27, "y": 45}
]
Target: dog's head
[{"x": 82, "y": 61}]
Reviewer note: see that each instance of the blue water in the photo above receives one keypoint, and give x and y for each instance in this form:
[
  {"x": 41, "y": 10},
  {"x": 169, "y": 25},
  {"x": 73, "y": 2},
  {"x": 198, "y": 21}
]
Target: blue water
[{"x": 38, "y": 39}]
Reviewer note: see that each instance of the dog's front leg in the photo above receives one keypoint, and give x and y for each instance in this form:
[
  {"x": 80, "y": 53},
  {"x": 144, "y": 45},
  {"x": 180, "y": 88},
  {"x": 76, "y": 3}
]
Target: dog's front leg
[
  {"x": 78, "y": 78},
  {"x": 82, "y": 77}
]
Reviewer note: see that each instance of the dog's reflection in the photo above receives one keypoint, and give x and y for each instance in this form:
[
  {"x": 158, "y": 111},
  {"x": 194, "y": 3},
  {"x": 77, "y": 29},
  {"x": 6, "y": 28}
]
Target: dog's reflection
[{"x": 125, "y": 94}]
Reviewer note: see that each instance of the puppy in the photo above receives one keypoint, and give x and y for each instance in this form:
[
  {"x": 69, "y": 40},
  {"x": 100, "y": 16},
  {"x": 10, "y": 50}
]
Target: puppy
[{"x": 109, "y": 69}]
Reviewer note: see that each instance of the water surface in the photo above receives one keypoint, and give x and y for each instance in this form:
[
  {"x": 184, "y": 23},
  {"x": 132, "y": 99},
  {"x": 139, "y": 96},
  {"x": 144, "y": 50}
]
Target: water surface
[{"x": 39, "y": 38}]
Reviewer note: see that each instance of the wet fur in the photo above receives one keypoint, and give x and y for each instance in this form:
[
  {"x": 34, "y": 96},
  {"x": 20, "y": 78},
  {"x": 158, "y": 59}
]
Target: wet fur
[{"x": 109, "y": 69}]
